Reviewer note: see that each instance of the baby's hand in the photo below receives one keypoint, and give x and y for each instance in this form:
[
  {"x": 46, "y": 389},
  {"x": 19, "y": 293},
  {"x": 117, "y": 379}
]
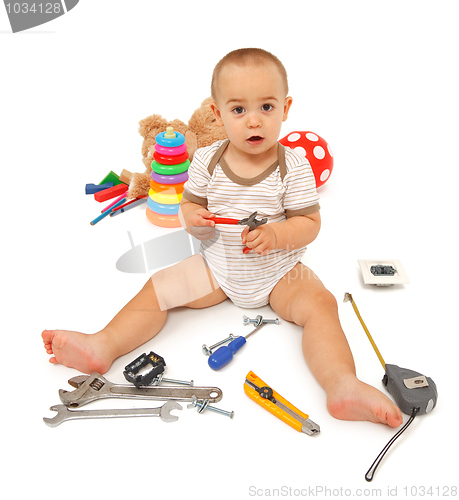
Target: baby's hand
[
  {"x": 261, "y": 240},
  {"x": 201, "y": 225}
]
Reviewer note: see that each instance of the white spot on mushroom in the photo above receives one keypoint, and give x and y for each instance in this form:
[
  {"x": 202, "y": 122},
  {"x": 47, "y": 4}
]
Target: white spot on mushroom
[
  {"x": 319, "y": 152},
  {"x": 325, "y": 175},
  {"x": 312, "y": 137},
  {"x": 329, "y": 151},
  {"x": 301, "y": 151},
  {"x": 293, "y": 137}
]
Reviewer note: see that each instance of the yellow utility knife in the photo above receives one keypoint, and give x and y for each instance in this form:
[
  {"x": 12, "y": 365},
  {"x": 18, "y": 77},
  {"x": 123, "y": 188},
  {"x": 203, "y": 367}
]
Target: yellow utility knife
[{"x": 262, "y": 394}]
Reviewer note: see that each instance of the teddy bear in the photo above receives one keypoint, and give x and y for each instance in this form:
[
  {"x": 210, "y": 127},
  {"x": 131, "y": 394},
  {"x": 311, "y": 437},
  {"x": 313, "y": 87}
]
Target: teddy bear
[{"x": 201, "y": 131}]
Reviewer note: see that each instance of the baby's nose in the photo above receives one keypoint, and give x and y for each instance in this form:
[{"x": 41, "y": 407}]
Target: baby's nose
[{"x": 253, "y": 120}]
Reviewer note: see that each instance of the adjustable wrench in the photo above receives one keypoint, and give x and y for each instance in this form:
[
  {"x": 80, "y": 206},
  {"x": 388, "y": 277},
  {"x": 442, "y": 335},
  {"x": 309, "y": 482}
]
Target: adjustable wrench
[
  {"x": 64, "y": 413},
  {"x": 93, "y": 387}
]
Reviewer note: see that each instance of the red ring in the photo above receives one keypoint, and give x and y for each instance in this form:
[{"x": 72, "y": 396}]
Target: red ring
[{"x": 170, "y": 160}]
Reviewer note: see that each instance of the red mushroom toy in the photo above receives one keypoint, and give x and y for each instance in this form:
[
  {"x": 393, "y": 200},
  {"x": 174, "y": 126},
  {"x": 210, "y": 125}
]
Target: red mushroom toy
[{"x": 315, "y": 149}]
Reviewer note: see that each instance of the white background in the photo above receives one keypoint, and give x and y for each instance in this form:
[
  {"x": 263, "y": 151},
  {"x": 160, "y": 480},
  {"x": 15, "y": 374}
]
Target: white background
[{"x": 377, "y": 80}]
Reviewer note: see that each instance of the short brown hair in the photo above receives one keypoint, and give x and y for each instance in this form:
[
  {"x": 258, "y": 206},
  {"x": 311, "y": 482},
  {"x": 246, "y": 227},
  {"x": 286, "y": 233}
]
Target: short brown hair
[{"x": 247, "y": 56}]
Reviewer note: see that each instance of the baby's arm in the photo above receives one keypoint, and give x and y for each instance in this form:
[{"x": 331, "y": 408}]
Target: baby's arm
[
  {"x": 196, "y": 220},
  {"x": 292, "y": 233}
]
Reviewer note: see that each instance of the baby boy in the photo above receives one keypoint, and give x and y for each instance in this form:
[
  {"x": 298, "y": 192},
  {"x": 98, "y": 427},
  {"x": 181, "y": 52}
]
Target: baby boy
[{"x": 250, "y": 171}]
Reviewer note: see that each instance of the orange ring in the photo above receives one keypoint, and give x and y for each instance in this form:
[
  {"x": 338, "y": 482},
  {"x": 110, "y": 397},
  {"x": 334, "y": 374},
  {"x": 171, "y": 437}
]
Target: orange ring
[
  {"x": 165, "y": 187},
  {"x": 168, "y": 221}
]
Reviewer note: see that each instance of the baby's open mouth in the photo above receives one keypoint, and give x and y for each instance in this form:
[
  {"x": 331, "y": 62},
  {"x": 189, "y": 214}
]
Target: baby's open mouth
[{"x": 255, "y": 138}]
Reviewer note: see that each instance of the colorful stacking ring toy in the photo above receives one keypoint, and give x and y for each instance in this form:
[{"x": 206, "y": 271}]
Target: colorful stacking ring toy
[
  {"x": 169, "y": 179},
  {"x": 170, "y": 169},
  {"x": 168, "y": 175}
]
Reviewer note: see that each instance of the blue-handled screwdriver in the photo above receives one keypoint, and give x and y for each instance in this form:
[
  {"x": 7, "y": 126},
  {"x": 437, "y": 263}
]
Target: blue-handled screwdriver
[{"x": 223, "y": 355}]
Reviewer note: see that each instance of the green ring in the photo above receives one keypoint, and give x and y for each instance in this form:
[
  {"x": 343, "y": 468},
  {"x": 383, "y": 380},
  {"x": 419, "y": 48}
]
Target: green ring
[{"x": 170, "y": 169}]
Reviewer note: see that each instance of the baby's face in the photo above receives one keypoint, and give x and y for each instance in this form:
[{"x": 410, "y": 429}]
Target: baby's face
[{"x": 251, "y": 105}]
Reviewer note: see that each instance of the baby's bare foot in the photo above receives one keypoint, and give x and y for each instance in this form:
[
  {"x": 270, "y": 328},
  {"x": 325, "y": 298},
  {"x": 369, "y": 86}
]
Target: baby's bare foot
[
  {"x": 352, "y": 399},
  {"x": 76, "y": 350}
]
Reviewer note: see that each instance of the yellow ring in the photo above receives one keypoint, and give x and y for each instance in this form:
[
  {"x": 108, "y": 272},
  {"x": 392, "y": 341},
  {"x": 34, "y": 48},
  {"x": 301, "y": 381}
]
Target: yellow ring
[{"x": 166, "y": 199}]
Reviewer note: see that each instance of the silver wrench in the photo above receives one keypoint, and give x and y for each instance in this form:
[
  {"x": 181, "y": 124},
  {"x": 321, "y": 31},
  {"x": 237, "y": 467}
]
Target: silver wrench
[
  {"x": 93, "y": 387},
  {"x": 64, "y": 413}
]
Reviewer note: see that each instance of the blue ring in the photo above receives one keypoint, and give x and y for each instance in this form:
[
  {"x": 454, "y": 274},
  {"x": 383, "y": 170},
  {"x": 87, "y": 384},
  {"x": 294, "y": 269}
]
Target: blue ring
[
  {"x": 162, "y": 209},
  {"x": 172, "y": 142}
]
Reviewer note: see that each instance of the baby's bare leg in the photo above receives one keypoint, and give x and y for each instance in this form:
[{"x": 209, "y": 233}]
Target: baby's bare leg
[
  {"x": 300, "y": 297},
  {"x": 189, "y": 283}
]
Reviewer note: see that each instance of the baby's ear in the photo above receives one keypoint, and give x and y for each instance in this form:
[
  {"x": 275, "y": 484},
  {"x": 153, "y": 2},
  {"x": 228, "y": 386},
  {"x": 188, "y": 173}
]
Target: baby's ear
[
  {"x": 217, "y": 114},
  {"x": 287, "y": 104}
]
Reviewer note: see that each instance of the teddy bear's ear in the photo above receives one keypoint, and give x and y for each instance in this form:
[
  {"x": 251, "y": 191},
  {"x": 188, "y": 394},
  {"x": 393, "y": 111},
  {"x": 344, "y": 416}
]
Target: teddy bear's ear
[
  {"x": 152, "y": 123},
  {"x": 191, "y": 143},
  {"x": 207, "y": 101},
  {"x": 203, "y": 121},
  {"x": 204, "y": 125}
]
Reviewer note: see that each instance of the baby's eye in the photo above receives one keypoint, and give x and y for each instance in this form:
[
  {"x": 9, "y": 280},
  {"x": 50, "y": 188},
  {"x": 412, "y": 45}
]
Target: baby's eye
[
  {"x": 267, "y": 107},
  {"x": 239, "y": 110}
]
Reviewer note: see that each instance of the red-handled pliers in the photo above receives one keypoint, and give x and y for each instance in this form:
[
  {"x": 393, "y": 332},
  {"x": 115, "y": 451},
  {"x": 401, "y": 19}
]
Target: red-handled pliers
[{"x": 251, "y": 221}]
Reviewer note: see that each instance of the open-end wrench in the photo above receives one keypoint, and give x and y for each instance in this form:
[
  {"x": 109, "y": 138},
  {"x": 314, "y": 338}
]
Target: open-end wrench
[
  {"x": 93, "y": 387},
  {"x": 64, "y": 413}
]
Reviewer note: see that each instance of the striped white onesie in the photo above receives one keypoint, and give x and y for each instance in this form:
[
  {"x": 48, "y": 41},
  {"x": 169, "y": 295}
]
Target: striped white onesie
[{"x": 285, "y": 189}]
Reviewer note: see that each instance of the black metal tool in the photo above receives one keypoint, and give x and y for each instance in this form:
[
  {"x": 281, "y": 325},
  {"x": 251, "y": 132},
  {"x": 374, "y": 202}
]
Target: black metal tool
[{"x": 144, "y": 369}]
